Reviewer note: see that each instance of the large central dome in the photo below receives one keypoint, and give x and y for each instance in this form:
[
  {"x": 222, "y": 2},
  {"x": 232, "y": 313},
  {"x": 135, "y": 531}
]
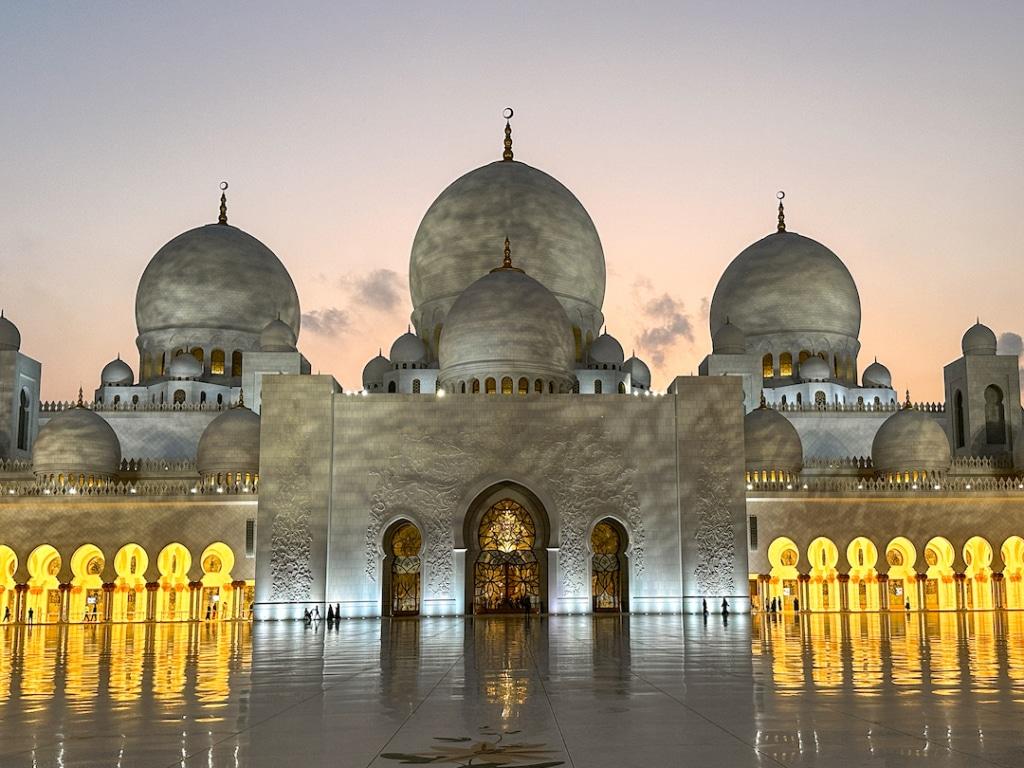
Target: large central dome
[{"x": 556, "y": 243}]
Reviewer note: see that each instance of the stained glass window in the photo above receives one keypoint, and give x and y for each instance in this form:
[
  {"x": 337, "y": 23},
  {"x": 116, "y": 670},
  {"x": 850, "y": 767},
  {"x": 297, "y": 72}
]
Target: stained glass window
[
  {"x": 506, "y": 575},
  {"x": 405, "y": 570},
  {"x": 605, "y": 583}
]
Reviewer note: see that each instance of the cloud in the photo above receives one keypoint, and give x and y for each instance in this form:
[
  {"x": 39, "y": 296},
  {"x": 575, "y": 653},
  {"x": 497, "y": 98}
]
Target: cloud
[
  {"x": 330, "y": 321},
  {"x": 1010, "y": 344},
  {"x": 672, "y": 324},
  {"x": 380, "y": 289}
]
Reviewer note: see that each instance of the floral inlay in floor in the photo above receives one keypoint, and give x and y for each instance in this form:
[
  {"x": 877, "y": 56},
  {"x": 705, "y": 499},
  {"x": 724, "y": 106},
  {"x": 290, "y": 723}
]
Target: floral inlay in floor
[{"x": 490, "y": 749}]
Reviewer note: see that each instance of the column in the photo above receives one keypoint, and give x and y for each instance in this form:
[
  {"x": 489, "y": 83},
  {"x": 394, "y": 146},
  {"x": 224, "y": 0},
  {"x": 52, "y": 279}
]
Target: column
[
  {"x": 803, "y": 581},
  {"x": 961, "y": 595},
  {"x": 194, "y": 591},
  {"x": 238, "y": 598},
  {"x": 998, "y": 591},
  {"x": 883, "y": 591},
  {"x": 108, "y": 601},
  {"x": 844, "y": 591},
  {"x": 21, "y": 591},
  {"x": 151, "y": 589},
  {"x": 762, "y": 589},
  {"x": 922, "y": 578},
  {"x": 65, "y": 602}
]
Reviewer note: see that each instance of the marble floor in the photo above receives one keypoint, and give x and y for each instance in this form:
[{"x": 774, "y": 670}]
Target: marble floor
[{"x": 589, "y": 692}]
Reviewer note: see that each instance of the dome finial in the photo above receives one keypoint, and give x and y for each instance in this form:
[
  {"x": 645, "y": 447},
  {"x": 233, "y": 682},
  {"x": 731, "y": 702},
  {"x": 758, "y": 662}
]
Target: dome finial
[
  {"x": 782, "y": 211},
  {"x": 81, "y": 401},
  {"x": 507, "y": 114},
  {"x": 223, "y": 218},
  {"x": 507, "y": 260},
  {"x": 907, "y": 403},
  {"x": 241, "y": 399},
  {"x": 764, "y": 402}
]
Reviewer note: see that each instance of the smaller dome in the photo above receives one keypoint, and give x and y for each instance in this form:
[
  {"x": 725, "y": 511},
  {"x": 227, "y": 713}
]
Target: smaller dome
[
  {"x": 639, "y": 373},
  {"x": 910, "y": 440},
  {"x": 606, "y": 350},
  {"x": 230, "y": 443},
  {"x": 185, "y": 366},
  {"x": 877, "y": 375},
  {"x": 117, "y": 373},
  {"x": 771, "y": 442},
  {"x": 10, "y": 336},
  {"x": 815, "y": 369},
  {"x": 374, "y": 371},
  {"x": 979, "y": 340},
  {"x": 277, "y": 336},
  {"x": 408, "y": 348},
  {"x": 76, "y": 442},
  {"x": 729, "y": 340}
]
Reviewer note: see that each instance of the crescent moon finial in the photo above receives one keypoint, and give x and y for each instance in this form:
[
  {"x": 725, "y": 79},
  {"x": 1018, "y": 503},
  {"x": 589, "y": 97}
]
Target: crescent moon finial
[
  {"x": 507, "y": 154},
  {"x": 782, "y": 211},
  {"x": 223, "y": 218}
]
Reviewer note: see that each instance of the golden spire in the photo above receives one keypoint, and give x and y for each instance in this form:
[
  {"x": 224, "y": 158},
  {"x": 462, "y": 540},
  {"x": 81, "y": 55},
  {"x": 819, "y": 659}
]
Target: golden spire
[
  {"x": 223, "y": 218},
  {"x": 506, "y": 262},
  {"x": 507, "y": 154},
  {"x": 81, "y": 401},
  {"x": 782, "y": 211}
]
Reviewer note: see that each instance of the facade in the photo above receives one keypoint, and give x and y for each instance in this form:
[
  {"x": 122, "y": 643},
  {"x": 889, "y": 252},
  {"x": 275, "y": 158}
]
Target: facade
[{"x": 504, "y": 456}]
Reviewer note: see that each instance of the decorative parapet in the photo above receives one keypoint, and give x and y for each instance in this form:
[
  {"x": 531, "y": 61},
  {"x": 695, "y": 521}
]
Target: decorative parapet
[
  {"x": 55, "y": 406},
  {"x": 141, "y": 488},
  {"x": 15, "y": 466},
  {"x": 839, "y": 463},
  {"x": 872, "y": 485},
  {"x": 856, "y": 407}
]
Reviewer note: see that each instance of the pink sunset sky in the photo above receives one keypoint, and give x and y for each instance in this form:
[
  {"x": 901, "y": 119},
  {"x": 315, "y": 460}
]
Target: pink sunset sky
[{"x": 896, "y": 130}]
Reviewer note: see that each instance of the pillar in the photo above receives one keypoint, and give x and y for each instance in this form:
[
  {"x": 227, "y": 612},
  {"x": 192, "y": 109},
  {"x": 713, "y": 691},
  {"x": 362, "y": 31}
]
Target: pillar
[
  {"x": 65, "y": 602},
  {"x": 921, "y": 579},
  {"x": 194, "y": 591},
  {"x": 21, "y": 590},
  {"x": 762, "y": 589},
  {"x": 803, "y": 589},
  {"x": 108, "y": 601},
  {"x": 998, "y": 591},
  {"x": 238, "y": 598},
  {"x": 152, "y": 587},
  {"x": 844, "y": 591},
  {"x": 883, "y": 591},
  {"x": 961, "y": 595}
]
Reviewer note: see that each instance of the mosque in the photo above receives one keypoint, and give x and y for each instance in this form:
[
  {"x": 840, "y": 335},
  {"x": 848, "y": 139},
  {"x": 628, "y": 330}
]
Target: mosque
[{"x": 505, "y": 456}]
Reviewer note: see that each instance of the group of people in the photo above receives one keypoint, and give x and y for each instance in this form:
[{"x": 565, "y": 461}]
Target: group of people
[
  {"x": 312, "y": 618},
  {"x": 725, "y": 607},
  {"x": 775, "y": 605}
]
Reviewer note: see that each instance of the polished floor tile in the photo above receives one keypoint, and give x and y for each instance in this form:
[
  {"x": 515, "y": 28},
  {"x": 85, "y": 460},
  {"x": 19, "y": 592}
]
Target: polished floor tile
[{"x": 587, "y": 692}]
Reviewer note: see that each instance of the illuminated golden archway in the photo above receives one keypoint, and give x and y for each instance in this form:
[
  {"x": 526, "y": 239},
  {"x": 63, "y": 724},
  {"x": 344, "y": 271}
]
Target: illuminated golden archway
[
  {"x": 823, "y": 587},
  {"x": 218, "y": 597},
  {"x": 901, "y": 555},
  {"x": 402, "y": 565},
  {"x": 1013, "y": 571},
  {"x": 172, "y": 599},
  {"x": 940, "y": 587},
  {"x": 506, "y": 573},
  {"x": 862, "y": 556},
  {"x": 609, "y": 578},
  {"x": 43, "y": 597},
  {"x": 130, "y": 564},
  {"x": 8, "y": 595},
  {"x": 87, "y": 601},
  {"x": 978, "y": 582},
  {"x": 784, "y": 584}
]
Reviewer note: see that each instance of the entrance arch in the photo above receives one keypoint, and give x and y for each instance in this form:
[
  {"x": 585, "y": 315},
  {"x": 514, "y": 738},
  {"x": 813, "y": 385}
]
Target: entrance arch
[
  {"x": 901, "y": 556},
  {"x": 862, "y": 555},
  {"x": 978, "y": 581},
  {"x": 130, "y": 564},
  {"x": 172, "y": 599},
  {"x": 43, "y": 587},
  {"x": 88, "y": 601},
  {"x": 609, "y": 580},
  {"x": 402, "y": 582},
  {"x": 1013, "y": 571},
  {"x": 823, "y": 587},
  {"x": 784, "y": 584},
  {"x": 939, "y": 589},
  {"x": 8, "y": 594},
  {"x": 218, "y": 594}
]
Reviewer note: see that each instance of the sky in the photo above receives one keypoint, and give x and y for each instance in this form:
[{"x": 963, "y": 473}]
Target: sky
[{"x": 896, "y": 130}]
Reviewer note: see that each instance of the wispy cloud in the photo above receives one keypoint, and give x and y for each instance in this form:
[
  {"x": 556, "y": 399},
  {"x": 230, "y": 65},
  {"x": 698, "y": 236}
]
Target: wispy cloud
[
  {"x": 669, "y": 321},
  {"x": 380, "y": 289},
  {"x": 329, "y": 321}
]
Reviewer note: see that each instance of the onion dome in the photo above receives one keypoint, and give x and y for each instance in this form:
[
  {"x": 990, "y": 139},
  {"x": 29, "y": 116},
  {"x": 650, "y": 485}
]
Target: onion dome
[
  {"x": 374, "y": 372},
  {"x": 556, "y": 241},
  {"x": 790, "y": 286},
  {"x": 185, "y": 366},
  {"x": 10, "y": 336},
  {"x": 979, "y": 340},
  {"x": 230, "y": 443},
  {"x": 507, "y": 323},
  {"x": 277, "y": 336},
  {"x": 639, "y": 373},
  {"x": 771, "y": 442},
  {"x": 729, "y": 340},
  {"x": 910, "y": 441},
  {"x": 606, "y": 350},
  {"x": 408, "y": 348},
  {"x": 815, "y": 369},
  {"x": 215, "y": 278},
  {"x": 76, "y": 442},
  {"x": 117, "y": 373},
  {"x": 877, "y": 375}
]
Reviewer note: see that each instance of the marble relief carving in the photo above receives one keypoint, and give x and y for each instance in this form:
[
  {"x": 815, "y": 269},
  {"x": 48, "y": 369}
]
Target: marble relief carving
[
  {"x": 716, "y": 545},
  {"x": 291, "y": 544},
  {"x": 588, "y": 475}
]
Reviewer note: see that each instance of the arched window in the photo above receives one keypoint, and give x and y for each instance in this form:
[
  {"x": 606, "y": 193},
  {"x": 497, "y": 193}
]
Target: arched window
[
  {"x": 538, "y": 387},
  {"x": 622, "y": 387},
  {"x": 506, "y": 385},
  {"x": 476, "y": 386},
  {"x": 415, "y": 386},
  {"x": 163, "y": 363},
  {"x": 524, "y": 386},
  {"x": 392, "y": 388},
  {"x": 995, "y": 416},
  {"x": 202, "y": 397},
  {"x": 835, "y": 365},
  {"x": 24, "y": 412},
  {"x": 767, "y": 367},
  {"x": 220, "y": 399},
  {"x": 804, "y": 354},
  {"x": 551, "y": 387},
  {"x": 236, "y": 363},
  {"x": 799, "y": 399},
  {"x": 783, "y": 401},
  {"x": 179, "y": 396},
  {"x": 597, "y": 387},
  {"x": 490, "y": 386},
  {"x": 147, "y": 366},
  {"x": 197, "y": 353},
  {"x": 462, "y": 387},
  {"x": 819, "y": 399},
  {"x": 135, "y": 399},
  {"x": 117, "y": 399},
  {"x": 958, "y": 419},
  {"x": 577, "y": 336},
  {"x": 217, "y": 362},
  {"x": 785, "y": 364}
]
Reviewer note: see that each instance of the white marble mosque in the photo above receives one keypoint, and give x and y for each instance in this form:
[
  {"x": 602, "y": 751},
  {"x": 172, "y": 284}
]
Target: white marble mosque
[{"x": 505, "y": 455}]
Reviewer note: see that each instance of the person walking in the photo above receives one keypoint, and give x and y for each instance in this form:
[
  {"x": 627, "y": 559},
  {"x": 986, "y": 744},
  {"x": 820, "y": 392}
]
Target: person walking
[
  {"x": 29, "y": 615},
  {"x": 725, "y": 607},
  {"x": 704, "y": 607},
  {"x": 7, "y": 614}
]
